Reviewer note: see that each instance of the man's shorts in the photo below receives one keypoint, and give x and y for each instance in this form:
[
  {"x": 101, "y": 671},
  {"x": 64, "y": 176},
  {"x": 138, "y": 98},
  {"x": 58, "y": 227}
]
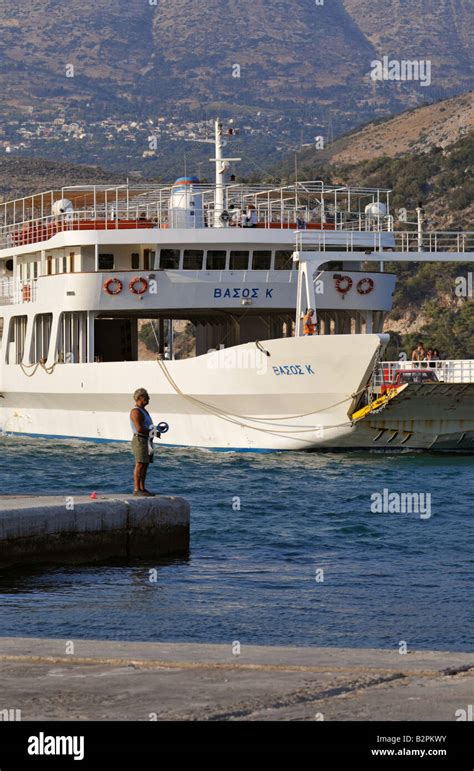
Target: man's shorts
[{"x": 140, "y": 450}]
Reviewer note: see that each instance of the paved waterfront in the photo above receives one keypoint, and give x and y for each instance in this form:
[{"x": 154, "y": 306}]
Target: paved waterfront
[{"x": 97, "y": 680}]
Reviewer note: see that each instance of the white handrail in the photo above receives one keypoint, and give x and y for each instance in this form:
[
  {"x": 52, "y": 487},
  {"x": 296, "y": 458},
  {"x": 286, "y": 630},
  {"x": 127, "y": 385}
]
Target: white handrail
[
  {"x": 15, "y": 291},
  {"x": 404, "y": 241},
  {"x": 446, "y": 370}
]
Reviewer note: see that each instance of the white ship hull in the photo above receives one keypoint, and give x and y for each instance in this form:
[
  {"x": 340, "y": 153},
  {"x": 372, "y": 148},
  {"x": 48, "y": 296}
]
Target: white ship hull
[{"x": 300, "y": 397}]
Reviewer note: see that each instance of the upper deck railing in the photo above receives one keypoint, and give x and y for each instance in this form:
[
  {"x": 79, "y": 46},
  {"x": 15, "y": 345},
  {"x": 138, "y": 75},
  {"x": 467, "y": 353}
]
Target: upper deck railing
[
  {"x": 403, "y": 241},
  {"x": 42, "y": 229},
  {"x": 312, "y": 205}
]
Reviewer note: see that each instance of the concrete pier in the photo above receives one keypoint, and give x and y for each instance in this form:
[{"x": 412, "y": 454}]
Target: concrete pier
[
  {"x": 74, "y": 528},
  {"x": 52, "y": 679}
]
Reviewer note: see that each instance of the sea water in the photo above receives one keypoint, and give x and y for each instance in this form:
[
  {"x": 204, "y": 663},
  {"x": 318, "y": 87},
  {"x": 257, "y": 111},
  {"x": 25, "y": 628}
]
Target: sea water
[{"x": 286, "y": 549}]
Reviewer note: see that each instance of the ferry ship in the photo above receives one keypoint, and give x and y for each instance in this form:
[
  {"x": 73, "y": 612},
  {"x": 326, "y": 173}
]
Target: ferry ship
[{"x": 83, "y": 270}]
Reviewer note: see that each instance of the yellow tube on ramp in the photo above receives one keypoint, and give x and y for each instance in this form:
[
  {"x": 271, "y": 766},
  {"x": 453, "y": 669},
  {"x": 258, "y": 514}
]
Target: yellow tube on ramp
[{"x": 378, "y": 404}]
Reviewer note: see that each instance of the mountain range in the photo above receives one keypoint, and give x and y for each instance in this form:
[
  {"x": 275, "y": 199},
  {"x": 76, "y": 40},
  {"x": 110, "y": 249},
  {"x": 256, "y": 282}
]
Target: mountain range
[{"x": 284, "y": 69}]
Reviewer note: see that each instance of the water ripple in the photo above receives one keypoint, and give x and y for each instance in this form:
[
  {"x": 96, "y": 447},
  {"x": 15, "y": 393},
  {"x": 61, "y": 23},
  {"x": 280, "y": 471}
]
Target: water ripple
[{"x": 262, "y": 528}]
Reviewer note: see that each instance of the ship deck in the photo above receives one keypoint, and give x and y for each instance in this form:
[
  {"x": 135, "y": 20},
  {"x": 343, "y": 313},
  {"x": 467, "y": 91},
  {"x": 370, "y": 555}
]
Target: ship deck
[{"x": 310, "y": 204}]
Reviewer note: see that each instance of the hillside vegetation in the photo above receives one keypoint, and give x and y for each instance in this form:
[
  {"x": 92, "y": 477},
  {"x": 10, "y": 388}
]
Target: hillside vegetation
[
  {"x": 427, "y": 307},
  {"x": 415, "y": 131}
]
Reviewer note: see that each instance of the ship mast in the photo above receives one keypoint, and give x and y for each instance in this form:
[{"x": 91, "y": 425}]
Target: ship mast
[{"x": 222, "y": 164}]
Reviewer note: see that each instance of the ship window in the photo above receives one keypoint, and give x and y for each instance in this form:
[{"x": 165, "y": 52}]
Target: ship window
[
  {"x": 215, "y": 259},
  {"x": 16, "y": 339},
  {"x": 262, "y": 260},
  {"x": 71, "y": 262},
  {"x": 193, "y": 259},
  {"x": 35, "y": 270},
  {"x": 149, "y": 259},
  {"x": 169, "y": 259},
  {"x": 64, "y": 264},
  {"x": 135, "y": 261},
  {"x": 239, "y": 260},
  {"x": 106, "y": 261},
  {"x": 49, "y": 266},
  {"x": 283, "y": 260},
  {"x": 41, "y": 336}
]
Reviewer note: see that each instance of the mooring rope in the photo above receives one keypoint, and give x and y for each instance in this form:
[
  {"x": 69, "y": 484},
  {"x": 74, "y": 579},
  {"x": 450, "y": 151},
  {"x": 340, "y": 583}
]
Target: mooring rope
[{"x": 238, "y": 420}]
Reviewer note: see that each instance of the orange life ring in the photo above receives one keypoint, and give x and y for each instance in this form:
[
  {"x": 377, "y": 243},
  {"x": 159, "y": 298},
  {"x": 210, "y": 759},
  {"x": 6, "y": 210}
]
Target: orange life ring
[
  {"x": 26, "y": 293},
  {"x": 365, "y": 285},
  {"x": 344, "y": 280},
  {"x": 118, "y": 286},
  {"x": 143, "y": 285}
]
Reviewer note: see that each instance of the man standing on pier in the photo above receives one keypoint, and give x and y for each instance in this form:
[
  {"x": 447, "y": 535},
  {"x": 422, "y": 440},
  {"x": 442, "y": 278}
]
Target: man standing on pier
[{"x": 142, "y": 442}]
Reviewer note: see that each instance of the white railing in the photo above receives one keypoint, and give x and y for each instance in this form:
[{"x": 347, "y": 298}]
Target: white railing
[
  {"x": 7, "y": 291},
  {"x": 154, "y": 215},
  {"x": 14, "y": 291},
  {"x": 349, "y": 241},
  {"x": 42, "y": 229},
  {"x": 446, "y": 371},
  {"x": 436, "y": 241},
  {"x": 311, "y": 204}
]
